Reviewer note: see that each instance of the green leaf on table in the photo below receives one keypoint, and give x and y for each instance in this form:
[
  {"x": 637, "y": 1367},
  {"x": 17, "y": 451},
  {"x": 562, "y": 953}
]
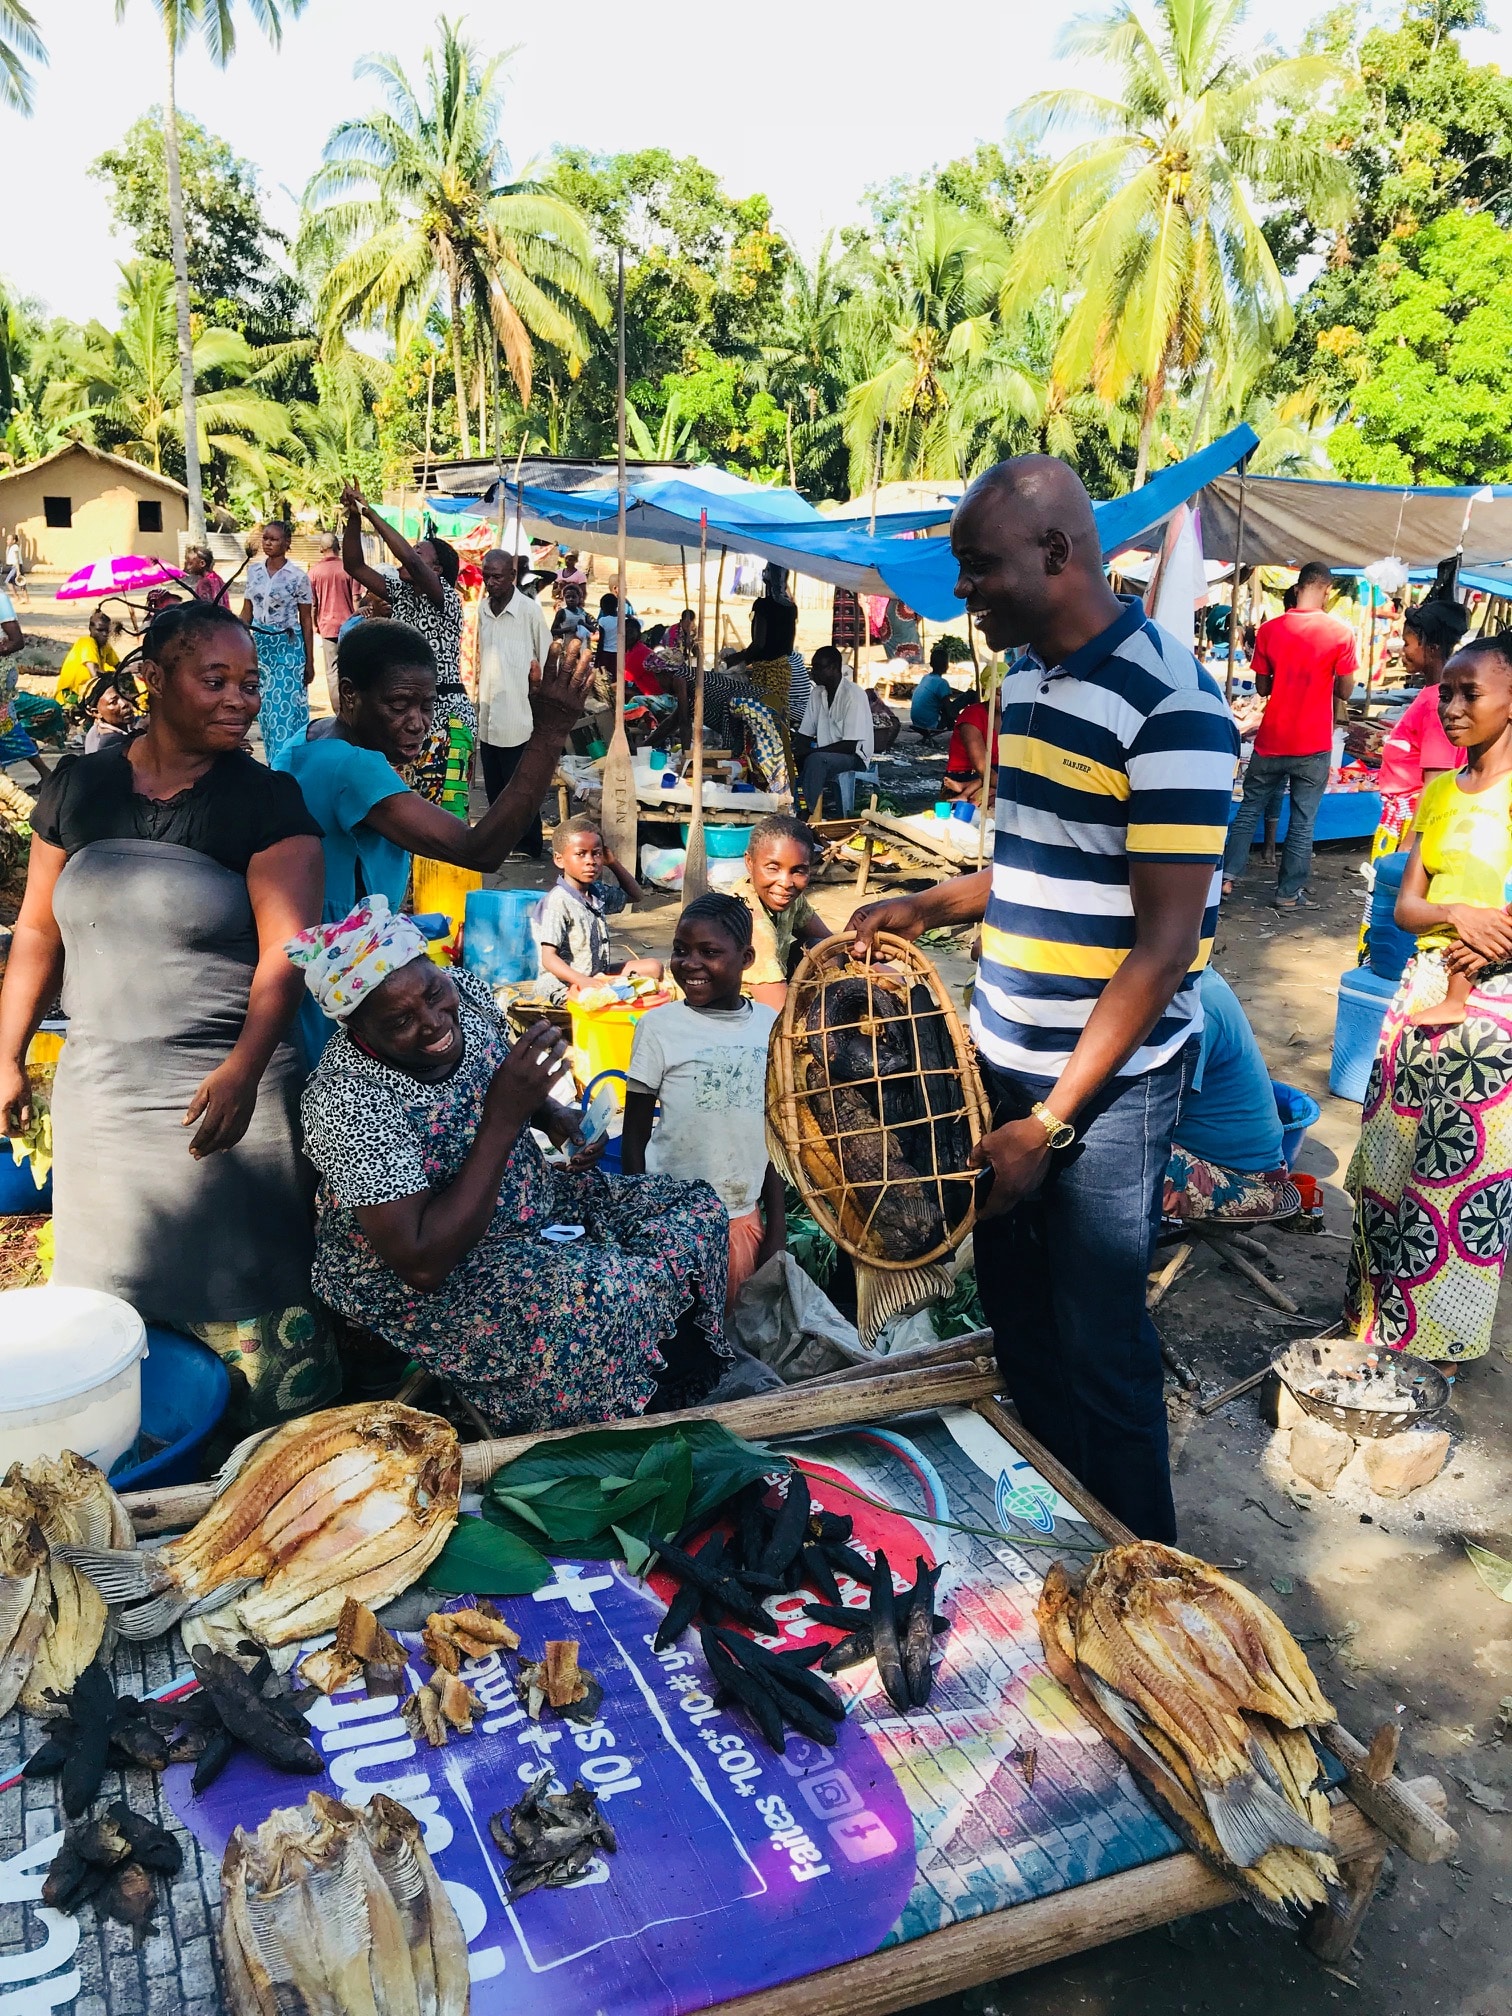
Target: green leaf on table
[
  {"x": 480, "y": 1559},
  {"x": 637, "y": 1553},
  {"x": 579, "y": 1491}
]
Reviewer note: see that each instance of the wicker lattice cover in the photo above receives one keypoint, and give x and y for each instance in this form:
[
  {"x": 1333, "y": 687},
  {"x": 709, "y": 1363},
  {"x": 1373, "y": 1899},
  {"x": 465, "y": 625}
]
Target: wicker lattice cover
[{"x": 873, "y": 1107}]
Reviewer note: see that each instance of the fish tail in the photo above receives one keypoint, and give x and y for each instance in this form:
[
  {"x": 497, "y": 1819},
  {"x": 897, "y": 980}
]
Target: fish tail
[
  {"x": 122, "y": 1575},
  {"x": 1249, "y": 1819}
]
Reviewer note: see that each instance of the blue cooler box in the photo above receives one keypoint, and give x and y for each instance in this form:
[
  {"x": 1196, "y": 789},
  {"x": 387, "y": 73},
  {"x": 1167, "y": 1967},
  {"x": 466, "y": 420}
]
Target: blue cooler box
[{"x": 1363, "y": 1000}]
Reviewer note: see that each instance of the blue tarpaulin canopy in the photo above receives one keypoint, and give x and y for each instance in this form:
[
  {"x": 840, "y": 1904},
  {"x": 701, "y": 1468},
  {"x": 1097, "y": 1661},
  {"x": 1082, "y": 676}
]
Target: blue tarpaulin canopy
[{"x": 662, "y": 518}]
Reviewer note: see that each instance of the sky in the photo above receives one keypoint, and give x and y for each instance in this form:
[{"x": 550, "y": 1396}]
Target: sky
[{"x": 808, "y": 100}]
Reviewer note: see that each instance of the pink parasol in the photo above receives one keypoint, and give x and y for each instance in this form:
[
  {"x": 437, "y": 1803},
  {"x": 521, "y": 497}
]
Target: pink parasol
[{"x": 125, "y": 574}]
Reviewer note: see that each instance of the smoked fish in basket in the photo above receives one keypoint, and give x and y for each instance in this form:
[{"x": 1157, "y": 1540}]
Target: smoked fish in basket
[{"x": 874, "y": 1105}]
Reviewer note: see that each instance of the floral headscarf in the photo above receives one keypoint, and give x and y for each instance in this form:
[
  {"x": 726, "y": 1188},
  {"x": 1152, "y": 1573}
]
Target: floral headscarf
[{"x": 344, "y": 962}]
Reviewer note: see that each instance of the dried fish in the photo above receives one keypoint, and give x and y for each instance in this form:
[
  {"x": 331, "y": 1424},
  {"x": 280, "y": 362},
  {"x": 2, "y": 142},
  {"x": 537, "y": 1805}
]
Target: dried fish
[
  {"x": 443, "y": 1703},
  {"x": 918, "y": 1633},
  {"x": 789, "y": 1527},
  {"x": 113, "y": 1860},
  {"x": 361, "y": 1648},
  {"x": 684, "y": 1605},
  {"x": 329, "y": 1909},
  {"x": 550, "y": 1837},
  {"x": 1242, "y": 1785},
  {"x": 55, "y": 1620},
  {"x": 91, "y": 1730},
  {"x": 450, "y": 1636},
  {"x": 884, "y": 1632},
  {"x": 557, "y": 1681},
  {"x": 352, "y": 1504},
  {"x": 253, "y": 1709}
]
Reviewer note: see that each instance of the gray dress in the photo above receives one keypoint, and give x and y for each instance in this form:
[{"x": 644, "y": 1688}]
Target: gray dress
[{"x": 159, "y": 950}]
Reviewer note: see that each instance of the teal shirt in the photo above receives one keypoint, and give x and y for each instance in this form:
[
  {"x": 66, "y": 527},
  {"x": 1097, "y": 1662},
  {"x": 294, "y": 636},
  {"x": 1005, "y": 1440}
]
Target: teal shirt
[
  {"x": 341, "y": 785},
  {"x": 1229, "y": 1116}
]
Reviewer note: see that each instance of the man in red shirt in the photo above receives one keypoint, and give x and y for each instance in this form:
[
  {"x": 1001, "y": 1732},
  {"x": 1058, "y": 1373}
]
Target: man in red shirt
[
  {"x": 336, "y": 596},
  {"x": 1303, "y": 661}
]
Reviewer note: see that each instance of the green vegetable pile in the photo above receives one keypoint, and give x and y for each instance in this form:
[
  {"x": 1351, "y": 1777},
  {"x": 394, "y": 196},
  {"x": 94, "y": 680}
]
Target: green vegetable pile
[{"x": 603, "y": 1495}]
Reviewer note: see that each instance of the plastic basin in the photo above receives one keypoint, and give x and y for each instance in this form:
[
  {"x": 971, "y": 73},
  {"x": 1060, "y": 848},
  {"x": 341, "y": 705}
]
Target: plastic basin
[
  {"x": 185, "y": 1392},
  {"x": 722, "y": 843},
  {"x": 1298, "y": 1110},
  {"x": 19, "y": 1195}
]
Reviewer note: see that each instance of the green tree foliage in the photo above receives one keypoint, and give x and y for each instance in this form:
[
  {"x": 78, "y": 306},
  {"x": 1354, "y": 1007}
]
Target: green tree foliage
[
  {"x": 412, "y": 204},
  {"x": 125, "y": 383},
  {"x": 1151, "y": 222},
  {"x": 235, "y": 278},
  {"x": 20, "y": 46},
  {"x": 1434, "y": 399}
]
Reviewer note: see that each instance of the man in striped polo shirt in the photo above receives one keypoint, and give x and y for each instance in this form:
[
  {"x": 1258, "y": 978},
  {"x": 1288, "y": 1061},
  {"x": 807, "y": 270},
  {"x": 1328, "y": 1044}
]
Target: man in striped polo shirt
[{"x": 1117, "y": 760}]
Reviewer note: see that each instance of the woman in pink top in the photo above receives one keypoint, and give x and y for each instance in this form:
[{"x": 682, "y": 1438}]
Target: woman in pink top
[{"x": 1416, "y": 748}]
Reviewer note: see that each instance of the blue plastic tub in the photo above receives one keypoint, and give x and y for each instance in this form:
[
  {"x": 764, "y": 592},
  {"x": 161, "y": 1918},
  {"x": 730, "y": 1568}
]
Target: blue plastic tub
[
  {"x": 722, "y": 843},
  {"x": 1363, "y": 1000},
  {"x": 497, "y": 941},
  {"x": 1387, "y": 946},
  {"x": 18, "y": 1194},
  {"x": 185, "y": 1392},
  {"x": 1298, "y": 1110}
]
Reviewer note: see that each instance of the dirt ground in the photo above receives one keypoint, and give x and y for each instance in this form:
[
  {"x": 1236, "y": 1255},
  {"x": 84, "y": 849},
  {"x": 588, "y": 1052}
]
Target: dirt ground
[{"x": 1381, "y": 1594}]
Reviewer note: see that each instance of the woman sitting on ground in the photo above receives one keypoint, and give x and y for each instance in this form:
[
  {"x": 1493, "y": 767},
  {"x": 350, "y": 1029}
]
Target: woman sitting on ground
[
  {"x": 167, "y": 870},
  {"x": 373, "y": 822},
  {"x": 547, "y": 1296},
  {"x": 1433, "y": 1167}
]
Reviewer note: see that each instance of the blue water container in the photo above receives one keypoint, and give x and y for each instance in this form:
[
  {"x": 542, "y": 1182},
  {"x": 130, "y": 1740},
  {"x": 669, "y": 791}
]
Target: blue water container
[
  {"x": 19, "y": 1195},
  {"x": 496, "y": 940},
  {"x": 185, "y": 1392},
  {"x": 1363, "y": 1000},
  {"x": 1387, "y": 946}
]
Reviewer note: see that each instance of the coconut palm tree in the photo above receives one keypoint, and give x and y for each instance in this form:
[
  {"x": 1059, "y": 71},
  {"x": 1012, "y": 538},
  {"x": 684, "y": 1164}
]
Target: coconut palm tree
[
  {"x": 215, "y": 21},
  {"x": 1150, "y": 220},
  {"x": 20, "y": 45},
  {"x": 414, "y": 201},
  {"x": 129, "y": 382},
  {"x": 932, "y": 315}
]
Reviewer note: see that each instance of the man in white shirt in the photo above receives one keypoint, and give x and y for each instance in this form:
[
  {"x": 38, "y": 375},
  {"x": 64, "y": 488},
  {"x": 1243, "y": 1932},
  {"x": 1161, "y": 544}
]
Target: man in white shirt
[
  {"x": 836, "y": 732},
  {"x": 513, "y": 640}
]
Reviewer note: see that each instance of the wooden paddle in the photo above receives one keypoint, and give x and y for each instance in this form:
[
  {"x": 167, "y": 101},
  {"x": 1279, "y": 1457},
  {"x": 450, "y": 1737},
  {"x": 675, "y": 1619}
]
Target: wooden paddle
[
  {"x": 619, "y": 815},
  {"x": 696, "y": 867}
]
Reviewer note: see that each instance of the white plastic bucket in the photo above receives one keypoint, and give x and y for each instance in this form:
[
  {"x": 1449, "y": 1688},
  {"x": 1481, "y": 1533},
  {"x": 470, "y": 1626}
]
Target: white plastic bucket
[{"x": 70, "y": 1374}]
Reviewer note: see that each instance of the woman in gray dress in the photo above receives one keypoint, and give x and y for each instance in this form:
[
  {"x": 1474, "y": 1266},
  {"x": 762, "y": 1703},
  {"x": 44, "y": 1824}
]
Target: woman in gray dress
[{"x": 166, "y": 873}]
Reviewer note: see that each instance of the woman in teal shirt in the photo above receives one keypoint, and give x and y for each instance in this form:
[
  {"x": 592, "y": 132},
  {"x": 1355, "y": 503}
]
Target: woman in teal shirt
[{"x": 371, "y": 820}]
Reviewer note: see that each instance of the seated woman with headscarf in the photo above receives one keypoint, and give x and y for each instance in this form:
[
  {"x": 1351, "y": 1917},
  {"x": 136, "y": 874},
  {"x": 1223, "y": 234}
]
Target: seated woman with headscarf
[{"x": 546, "y": 1296}]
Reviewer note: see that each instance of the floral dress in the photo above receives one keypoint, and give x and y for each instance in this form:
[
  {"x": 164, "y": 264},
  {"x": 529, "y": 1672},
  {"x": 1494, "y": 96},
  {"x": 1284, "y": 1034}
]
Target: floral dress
[
  {"x": 276, "y": 598},
  {"x": 535, "y": 1334}
]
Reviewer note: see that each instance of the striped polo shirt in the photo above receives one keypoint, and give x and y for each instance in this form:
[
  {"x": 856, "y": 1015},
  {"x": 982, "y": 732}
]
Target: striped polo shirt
[{"x": 1128, "y": 748}]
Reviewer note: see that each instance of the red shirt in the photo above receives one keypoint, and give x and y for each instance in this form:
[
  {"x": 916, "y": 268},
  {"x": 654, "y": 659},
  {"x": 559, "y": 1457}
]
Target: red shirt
[
  {"x": 637, "y": 678},
  {"x": 1303, "y": 652},
  {"x": 957, "y": 762},
  {"x": 1417, "y": 743},
  {"x": 335, "y": 594}
]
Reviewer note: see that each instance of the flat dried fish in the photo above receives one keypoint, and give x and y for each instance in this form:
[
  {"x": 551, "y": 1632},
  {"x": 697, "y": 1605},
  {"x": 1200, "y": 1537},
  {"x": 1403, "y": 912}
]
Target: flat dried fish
[
  {"x": 350, "y": 1505},
  {"x": 328, "y": 1909}
]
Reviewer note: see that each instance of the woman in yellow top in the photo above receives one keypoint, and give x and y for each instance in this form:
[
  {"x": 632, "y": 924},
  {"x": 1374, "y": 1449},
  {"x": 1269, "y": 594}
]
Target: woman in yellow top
[
  {"x": 88, "y": 658},
  {"x": 1432, "y": 1175}
]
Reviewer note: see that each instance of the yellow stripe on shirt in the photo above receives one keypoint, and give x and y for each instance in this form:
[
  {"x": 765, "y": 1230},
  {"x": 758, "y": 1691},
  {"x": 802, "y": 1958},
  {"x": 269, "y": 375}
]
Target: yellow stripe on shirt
[
  {"x": 1200, "y": 840},
  {"x": 1061, "y": 766},
  {"x": 1051, "y": 955}
]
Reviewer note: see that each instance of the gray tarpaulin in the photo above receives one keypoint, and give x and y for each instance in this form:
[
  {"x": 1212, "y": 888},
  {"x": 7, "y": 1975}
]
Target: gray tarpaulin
[{"x": 1288, "y": 520}]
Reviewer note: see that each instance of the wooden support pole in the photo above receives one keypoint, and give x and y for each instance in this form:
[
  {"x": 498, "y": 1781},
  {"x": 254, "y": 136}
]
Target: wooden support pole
[{"x": 1228, "y": 676}]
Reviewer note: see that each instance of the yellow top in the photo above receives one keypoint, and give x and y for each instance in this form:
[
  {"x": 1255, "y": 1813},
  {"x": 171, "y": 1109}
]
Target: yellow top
[
  {"x": 1466, "y": 843},
  {"x": 80, "y": 669}
]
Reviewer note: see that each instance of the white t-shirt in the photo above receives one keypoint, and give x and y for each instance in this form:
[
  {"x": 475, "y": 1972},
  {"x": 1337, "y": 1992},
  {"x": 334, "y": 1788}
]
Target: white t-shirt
[
  {"x": 708, "y": 1068},
  {"x": 846, "y": 718}
]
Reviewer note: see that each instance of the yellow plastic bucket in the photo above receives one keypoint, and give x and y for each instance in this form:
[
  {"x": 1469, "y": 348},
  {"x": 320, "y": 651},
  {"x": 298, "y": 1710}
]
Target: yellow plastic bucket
[
  {"x": 437, "y": 885},
  {"x": 602, "y": 1038}
]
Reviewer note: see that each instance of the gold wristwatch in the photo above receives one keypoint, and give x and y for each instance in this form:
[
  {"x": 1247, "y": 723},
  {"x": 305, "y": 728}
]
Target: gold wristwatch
[{"x": 1059, "y": 1133}]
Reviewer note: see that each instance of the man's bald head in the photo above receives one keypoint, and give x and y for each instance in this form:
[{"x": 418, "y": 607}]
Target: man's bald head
[{"x": 1028, "y": 551}]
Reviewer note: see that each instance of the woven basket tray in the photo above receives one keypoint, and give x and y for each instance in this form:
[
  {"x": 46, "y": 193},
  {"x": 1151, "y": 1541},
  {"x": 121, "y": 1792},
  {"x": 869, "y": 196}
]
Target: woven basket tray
[{"x": 895, "y": 1193}]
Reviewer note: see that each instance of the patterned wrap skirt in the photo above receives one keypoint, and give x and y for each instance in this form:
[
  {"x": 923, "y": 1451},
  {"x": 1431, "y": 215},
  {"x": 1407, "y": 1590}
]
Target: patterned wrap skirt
[
  {"x": 285, "y": 709},
  {"x": 1432, "y": 1174}
]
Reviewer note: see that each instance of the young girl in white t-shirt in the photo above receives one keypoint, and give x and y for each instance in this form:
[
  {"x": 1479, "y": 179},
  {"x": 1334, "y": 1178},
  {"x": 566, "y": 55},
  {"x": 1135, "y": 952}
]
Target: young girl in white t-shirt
[{"x": 704, "y": 1058}]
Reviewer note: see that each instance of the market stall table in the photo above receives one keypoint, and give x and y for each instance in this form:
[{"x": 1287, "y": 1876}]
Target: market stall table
[{"x": 991, "y": 1831}]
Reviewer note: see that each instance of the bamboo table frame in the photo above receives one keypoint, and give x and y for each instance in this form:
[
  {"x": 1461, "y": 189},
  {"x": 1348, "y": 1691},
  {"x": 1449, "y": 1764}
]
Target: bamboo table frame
[{"x": 1374, "y": 1808}]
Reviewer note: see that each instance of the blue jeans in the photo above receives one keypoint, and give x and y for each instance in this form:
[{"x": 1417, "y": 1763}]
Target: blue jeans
[
  {"x": 1265, "y": 779},
  {"x": 1062, "y": 1282}
]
